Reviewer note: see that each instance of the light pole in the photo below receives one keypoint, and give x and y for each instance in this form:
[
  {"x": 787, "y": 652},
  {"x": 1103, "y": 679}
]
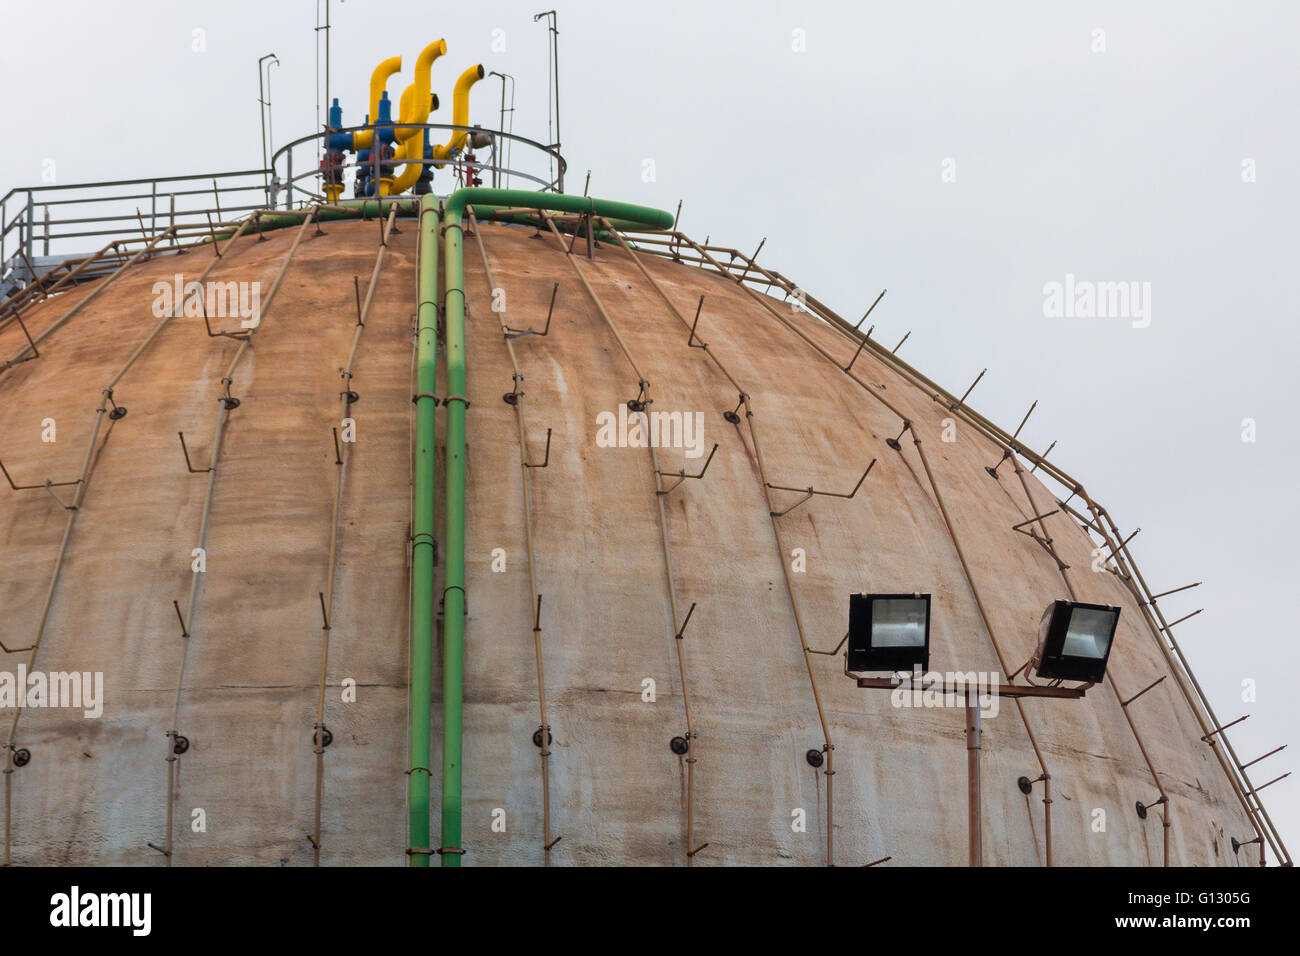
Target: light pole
[{"x": 891, "y": 632}]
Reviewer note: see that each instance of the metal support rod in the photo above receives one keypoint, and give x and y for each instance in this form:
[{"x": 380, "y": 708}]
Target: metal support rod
[
  {"x": 1022, "y": 421},
  {"x": 966, "y": 394},
  {"x": 544, "y": 728},
  {"x": 327, "y": 596},
  {"x": 1021, "y": 525},
  {"x": 1185, "y": 587},
  {"x": 180, "y": 617},
  {"x": 1166, "y": 628},
  {"x": 1158, "y": 680},
  {"x": 1259, "y": 758},
  {"x": 973, "y": 821},
  {"x": 1218, "y": 730},
  {"x": 224, "y": 405},
  {"x": 750, "y": 261},
  {"x": 1256, "y": 790},
  {"x": 870, "y": 309}
]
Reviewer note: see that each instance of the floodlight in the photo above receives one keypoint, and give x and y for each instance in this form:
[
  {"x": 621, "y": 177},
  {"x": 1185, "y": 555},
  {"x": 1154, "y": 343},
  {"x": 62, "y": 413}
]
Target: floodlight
[
  {"x": 1074, "y": 641},
  {"x": 889, "y": 632}
]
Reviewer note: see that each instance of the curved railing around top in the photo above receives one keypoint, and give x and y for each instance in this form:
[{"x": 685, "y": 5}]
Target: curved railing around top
[{"x": 289, "y": 184}]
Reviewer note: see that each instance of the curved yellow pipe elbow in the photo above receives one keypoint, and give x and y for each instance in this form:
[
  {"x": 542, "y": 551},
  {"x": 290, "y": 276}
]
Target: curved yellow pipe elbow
[
  {"x": 378, "y": 81},
  {"x": 417, "y": 103},
  {"x": 460, "y": 112},
  {"x": 422, "y": 86}
]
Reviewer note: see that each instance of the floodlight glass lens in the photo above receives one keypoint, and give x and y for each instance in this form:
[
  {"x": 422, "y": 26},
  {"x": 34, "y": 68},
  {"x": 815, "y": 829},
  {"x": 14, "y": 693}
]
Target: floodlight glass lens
[
  {"x": 1089, "y": 633},
  {"x": 897, "y": 622}
]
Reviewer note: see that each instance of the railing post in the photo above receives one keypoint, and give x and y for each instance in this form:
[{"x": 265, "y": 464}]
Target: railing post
[
  {"x": 31, "y": 215},
  {"x": 46, "y": 206},
  {"x": 153, "y": 206},
  {"x": 288, "y": 193}
]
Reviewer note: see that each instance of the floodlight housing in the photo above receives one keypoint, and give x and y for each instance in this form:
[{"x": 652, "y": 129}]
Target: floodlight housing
[
  {"x": 889, "y": 632},
  {"x": 1074, "y": 641}
]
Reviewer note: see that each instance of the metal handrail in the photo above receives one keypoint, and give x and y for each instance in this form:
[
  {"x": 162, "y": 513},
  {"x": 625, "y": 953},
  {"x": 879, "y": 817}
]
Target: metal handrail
[
  {"x": 42, "y": 219},
  {"x": 288, "y": 182}
]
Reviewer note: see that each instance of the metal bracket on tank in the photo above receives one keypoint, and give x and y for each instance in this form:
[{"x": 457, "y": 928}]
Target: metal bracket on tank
[
  {"x": 546, "y": 460},
  {"x": 47, "y": 484},
  {"x": 691, "y": 338},
  {"x": 184, "y": 631},
  {"x": 190, "y": 467},
  {"x": 519, "y": 333},
  {"x": 682, "y": 475},
  {"x": 810, "y": 491}
]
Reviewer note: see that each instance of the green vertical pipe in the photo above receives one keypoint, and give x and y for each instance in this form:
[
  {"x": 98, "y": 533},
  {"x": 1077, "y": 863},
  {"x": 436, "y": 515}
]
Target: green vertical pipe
[
  {"x": 453, "y": 595},
  {"x": 426, "y": 357},
  {"x": 453, "y": 649}
]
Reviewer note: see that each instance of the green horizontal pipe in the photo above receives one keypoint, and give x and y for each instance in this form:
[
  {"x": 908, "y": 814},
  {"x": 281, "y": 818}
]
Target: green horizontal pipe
[
  {"x": 453, "y": 646},
  {"x": 347, "y": 209}
]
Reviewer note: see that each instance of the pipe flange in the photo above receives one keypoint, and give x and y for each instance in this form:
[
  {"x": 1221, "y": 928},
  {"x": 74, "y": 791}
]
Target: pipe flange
[
  {"x": 680, "y": 746},
  {"x": 22, "y": 757},
  {"x": 815, "y": 758}
]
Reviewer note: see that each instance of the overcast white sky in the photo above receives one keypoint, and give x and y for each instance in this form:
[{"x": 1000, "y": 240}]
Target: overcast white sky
[{"x": 1119, "y": 165}]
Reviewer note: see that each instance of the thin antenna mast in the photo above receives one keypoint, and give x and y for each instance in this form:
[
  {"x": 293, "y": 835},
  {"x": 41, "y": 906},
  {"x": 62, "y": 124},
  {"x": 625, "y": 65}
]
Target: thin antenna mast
[{"x": 555, "y": 60}]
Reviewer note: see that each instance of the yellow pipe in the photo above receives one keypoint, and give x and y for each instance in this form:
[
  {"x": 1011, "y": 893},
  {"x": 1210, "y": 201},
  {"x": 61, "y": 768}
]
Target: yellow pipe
[
  {"x": 417, "y": 103},
  {"x": 459, "y": 114},
  {"x": 378, "y": 81},
  {"x": 419, "y": 108}
]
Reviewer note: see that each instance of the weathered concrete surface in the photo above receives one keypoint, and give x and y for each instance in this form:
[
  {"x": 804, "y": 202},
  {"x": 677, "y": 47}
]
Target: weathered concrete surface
[{"x": 94, "y": 791}]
